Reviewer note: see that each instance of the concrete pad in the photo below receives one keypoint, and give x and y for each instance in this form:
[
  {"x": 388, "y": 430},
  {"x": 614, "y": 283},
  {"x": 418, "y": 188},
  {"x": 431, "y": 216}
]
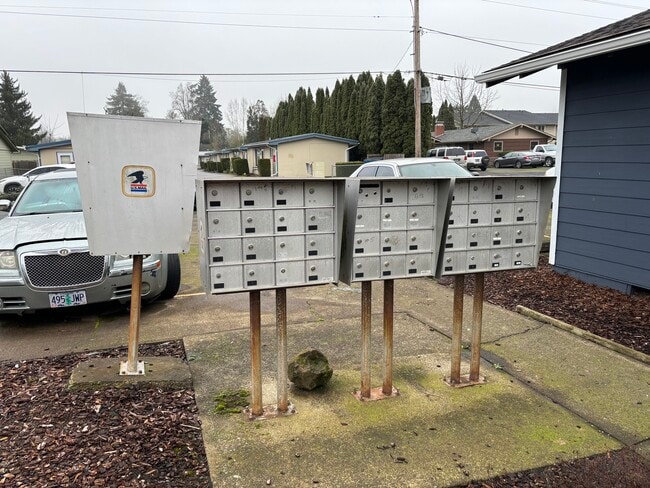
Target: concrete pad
[
  {"x": 604, "y": 387},
  {"x": 429, "y": 435},
  {"x": 161, "y": 372}
]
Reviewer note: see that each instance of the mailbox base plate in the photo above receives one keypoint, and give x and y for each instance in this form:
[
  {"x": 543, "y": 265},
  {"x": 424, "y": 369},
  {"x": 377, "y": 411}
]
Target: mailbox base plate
[
  {"x": 465, "y": 381},
  {"x": 269, "y": 412},
  {"x": 375, "y": 394}
]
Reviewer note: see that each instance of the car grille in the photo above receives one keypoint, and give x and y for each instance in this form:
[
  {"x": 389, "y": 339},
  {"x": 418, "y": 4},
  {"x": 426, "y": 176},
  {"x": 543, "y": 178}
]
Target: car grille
[{"x": 56, "y": 271}]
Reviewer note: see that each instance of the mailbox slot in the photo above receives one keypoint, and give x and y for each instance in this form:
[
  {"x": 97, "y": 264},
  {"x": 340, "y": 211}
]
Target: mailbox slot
[
  {"x": 289, "y": 247},
  {"x": 525, "y": 212},
  {"x": 394, "y": 193},
  {"x": 479, "y": 237},
  {"x": 523, "y": 257},
  {"x": 419, "y": 264},
  {"x": 503, "y": 190},
  {"x": 225, "y": 251},
  {"x": 259, "y": 275},
  {"x": 479, "y": 214},
  {"x": 458, "y": 215},
  {"x": 500, "y": 258},
  {"x": 421, "y": 192},
  {"x": 318, "y": 194},
  {"x": 290, "y": 273},
  {"x": 226, "y": 278},
  {"x": 393, "y": 242},
  {"x": 319, "y": 245},
  {"x": 418, "y": 241},
  {"x": 257, "y": 222},
  {"x": 525, "y": 189},
  {"x": 221, "y": 224},
  {"x": 258, "y": 195},
  {"x": 420, "y": 217},
  {"x": 366, "y": 243},
  {"x": 480, "y": 190},
  {"x": 366, "y": 268},
  {"x": 258, "y": 249},
  {"x": 503, "y": 213},
  {"x": 367, "y": 219},
  {"x": 393, "y": 218},
  {"x": 456, "y": 239},
  {"x": 289, "y": 221},
  {"x": 461, "y": 192},
  {"x": 319, "y": 220},
  {"x": 392, "y": 266},
  {"x": 524, "y": 235},
  {"x": 222, "y": 196},
  {"x": 320, "y": 270},
  {"x": 288, "y": 194}
]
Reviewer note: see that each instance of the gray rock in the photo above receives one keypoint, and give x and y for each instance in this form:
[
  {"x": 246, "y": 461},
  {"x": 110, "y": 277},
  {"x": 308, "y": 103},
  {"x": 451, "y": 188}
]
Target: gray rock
[{"x": 309, "y": 370}]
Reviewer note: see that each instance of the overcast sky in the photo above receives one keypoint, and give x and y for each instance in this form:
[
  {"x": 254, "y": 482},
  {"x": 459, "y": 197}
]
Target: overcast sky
[{"x": 256, "y": 49}]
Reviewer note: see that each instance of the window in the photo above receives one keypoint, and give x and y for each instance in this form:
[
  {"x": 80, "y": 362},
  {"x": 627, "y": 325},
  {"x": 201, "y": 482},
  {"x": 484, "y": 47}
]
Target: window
[
  {"x": 498, "y": 146},
  {"x": 370, "y": 171},
  {"x": 533, "y": 144},
  {"x": 64, "y": 158},
  {"x": 385, "y": 171}
]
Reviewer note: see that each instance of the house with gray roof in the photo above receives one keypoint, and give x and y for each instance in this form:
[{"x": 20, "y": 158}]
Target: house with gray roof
[
  {"x": 543, "y": 121},
  {"x": 7, "y": 147},
  {"x": 601, "y": 205}
]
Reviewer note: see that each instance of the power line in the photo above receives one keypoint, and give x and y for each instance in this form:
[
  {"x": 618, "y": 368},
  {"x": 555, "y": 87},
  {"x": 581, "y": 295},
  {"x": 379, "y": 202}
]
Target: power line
[
  {"x": 474, "y": 40},
  {"x": 614, "y": 4},
  {"x": 168, "y": 73},
  {"x": 547, "y": 10}
]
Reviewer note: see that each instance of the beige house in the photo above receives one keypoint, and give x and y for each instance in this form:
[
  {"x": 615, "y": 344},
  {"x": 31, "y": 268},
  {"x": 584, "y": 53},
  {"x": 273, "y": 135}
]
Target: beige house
[
  {"x": 7, "y": 148},
  {"x": 58, "y": 152}
]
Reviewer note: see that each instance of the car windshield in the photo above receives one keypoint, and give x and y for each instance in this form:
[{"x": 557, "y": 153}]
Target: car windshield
[
  {"x": 432, "y": 169},
  {"x": 49, "y": 196},
  {"x": 455, "y": 151},
  {"x": 480, "y": 153},
  {"x": 550, "y": 147}
]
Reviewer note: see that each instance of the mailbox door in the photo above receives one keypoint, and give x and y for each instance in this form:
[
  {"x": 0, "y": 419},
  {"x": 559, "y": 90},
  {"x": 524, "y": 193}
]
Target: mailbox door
[
  {"x": 477, "y": 260},
  {"x": 393, "y": 266},
  {"x": 319, "y": 220},
  {"x": 226, "y": 278},
  {"x": 393, "y": 242},
  {"x": 256, "y": 195},
  {"x": 259, "y": 275},
  {"x": 222, "y": 195},
  {"x": 289, "y": 221},
  {"x": 420, "y": 217},
  {"x": 320, "y": 270},
  {"x": 320, "y": 245},
  {"x": 480, "y": 190},
  {"x": 393, "y": 218},
  {"x": 418, "y": 241},
  {"x": 258, "y": 249},
  {"x": 257, "y": 222},
  {"x": 525, "y": 212},
  {"x": 421, "y": 192},
  {"x": 461, "y": 192},
  {"x": 367, "y": 219},
  {"x": 500, "y": 258},
  {"x": 394, "y": 192},
  {"x": 365, "y": 268},
  {"x": 502, "y": 236},
  {"x": 503, "y": 190},
  {"x": 456, "y": 239},
  {"x": 319, "y": 194},
  {"x": 503, "y": 213},
  {"x": 224, "y": 224},
  {"x": 523, "y": 257},
  {"x": 454, "y": 262},
  {"x": 290, "y": 273},
  {"x": 525, "y": 189},
  {"x": 479, "y": 237},
  {"x": 524, "y": 235},
  {"x": 225, "y": 251},
  {"x": 419, "y": 264},
  {"x": 369, "y": 193},
  {"x": 366, "y": 243},
  {"x": 479, "y": 214},
  {"x": 458, "y": 215},
  {"x": 288, "y": 194},
  {"x": 289, "y": 247}
]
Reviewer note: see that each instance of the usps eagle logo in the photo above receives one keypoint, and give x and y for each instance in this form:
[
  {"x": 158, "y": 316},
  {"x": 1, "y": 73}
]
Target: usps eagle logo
[{"x": 138, "y": 181}]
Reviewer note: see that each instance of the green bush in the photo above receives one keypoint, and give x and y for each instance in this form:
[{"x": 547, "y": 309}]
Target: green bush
[
  {"x": 346, "y": 168},
  {"x": 212, "y": 166},
  {"x": 240, "y": 166},
  {"x": 264, "y": 167}
]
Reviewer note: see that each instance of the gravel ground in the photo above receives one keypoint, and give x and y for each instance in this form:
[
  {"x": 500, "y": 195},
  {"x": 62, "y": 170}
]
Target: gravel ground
[{"x": 53, "y": 437}]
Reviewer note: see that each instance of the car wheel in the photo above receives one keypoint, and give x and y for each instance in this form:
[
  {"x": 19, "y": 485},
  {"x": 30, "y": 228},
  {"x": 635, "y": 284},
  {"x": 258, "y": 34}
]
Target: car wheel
[
  {"x": 173, "y": 277},
  {"x": 497, "y": 164},
  {"x": 13, "y": 188},
  {"x": 484, "y": 167},
  {"x": 548, "y": 162},
  {"x": 518, "y": 164}
]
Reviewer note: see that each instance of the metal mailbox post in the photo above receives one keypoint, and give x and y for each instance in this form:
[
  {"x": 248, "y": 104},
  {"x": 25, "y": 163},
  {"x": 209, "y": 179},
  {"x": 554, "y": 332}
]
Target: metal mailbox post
[
  {"x": 393, "y": 229},
  {"x": 495, "y": 224},
  {"x": 269, "y": 233}
]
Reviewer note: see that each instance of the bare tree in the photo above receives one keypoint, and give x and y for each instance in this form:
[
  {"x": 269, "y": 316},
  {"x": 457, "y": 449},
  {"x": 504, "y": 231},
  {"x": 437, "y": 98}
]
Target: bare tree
[
  {"x": 49, "y": 128},
  {"x": 236, "y": 117},
  {"x": 182, "y": 102},
  {"x": 462, "y": 93}
]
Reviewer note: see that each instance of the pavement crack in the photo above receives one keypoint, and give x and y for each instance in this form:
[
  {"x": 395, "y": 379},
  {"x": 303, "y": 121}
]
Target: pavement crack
[{"x": 514, "y": 334}]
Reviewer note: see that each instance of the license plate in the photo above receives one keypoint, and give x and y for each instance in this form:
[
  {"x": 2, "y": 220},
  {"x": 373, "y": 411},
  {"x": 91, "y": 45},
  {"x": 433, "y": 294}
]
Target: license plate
[{"x": 68, "y": 299}]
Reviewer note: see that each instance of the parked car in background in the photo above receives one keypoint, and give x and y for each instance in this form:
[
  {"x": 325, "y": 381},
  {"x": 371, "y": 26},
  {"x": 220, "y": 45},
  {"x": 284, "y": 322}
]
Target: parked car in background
[
  {"x": 547, "y": 151},
  {"x": 15, "y": 184},
  {"x": 455, "y": 153},
  {"x": 45, "y": 261},
  {"x": 517, "y": 159},
  {"x": 411, "y": 168},
  {"x": 477, "y": 158}
]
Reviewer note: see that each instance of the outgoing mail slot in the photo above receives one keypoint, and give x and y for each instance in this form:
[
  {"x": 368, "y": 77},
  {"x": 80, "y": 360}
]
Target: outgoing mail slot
[
  {"x": 257, "y": 222},
  {"x": 501, "y": 236},
  {"x": 477, "y": 261},
  {"x": 393, "y": 218},
  {"x": 419, "y": 241},
  {"x": 259, "y": 195},
  {"x": 461, "y": 191},
  {"x": 222, "y": 195},
  {"x": 369, "y": 193},
  {"x": 259, "y": 275},
  {"x": 320, "y": 245},
  {"x": 319, "y": 193},
  {"x": 290, "y": 273},
  {"x": 479, "y": 237},
  {"x": 319, "y": 220},
  {"x": 258, "y": 249},
  {"x": 524, "y": 235},
  {"x": 419, "y": 264},
  {"x": 456, "y": 239},
  {"x": 288, "y": 194},
  {"x": 289, "y": 221},
  {"x": 366, "y": 243},
  {"x": 421, "y": 191},
  {"x": 500, "y": 259},
  {"x": 525, "y": 189},
  {"x": 458, "y": 215},
  {"x": 394, "y": 192},
  {"x": 226, "y": 278},
  {"x": 393, "y": 242},
  {"x": 289, "y": 247},
  {"x": 392, "y": 266},
  {"x": 364, "y": 269},
  {"x": 479, "y": 214},
  {"x": 420, "y": 217},
  {"x": 224, "y": 224},
  {"x": 526, "y": 212},
  {"x": 503, "y": 213},
  {"x": 454, "y": 262},
  {"x": 480, "y": 190},
  {"x": 523, "y": 257},
  {"x": 225, "y": 251},
  {"x": 503, "y": 190},
  {"x": 367, "y": 219},
  {"x": 320, "y": 270}
]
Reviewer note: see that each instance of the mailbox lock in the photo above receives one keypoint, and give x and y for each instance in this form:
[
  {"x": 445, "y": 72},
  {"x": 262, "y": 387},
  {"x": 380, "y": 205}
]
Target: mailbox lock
[
  {"x": 497, "y": 256},
  {"x": 311, "y": 191},
  {"x": 387, "y": 216},
  {"x": 250, "y": 246},
  {"x": 249, "y": 219},
  {"x": 251, "y": 273},
  {"x": 449, "y": 237},
  {"x": 312, "y": 218},
  {"x": 413, "y": 238},
  {"x": 519, "y": 232},
  {"x": 215, "y": 193},
  {"x": 497, "y": 234},
  {"x": 217, "y": 249},
  {"x": 218, "y": 275},
  {"x": 414, "y": 214},
  {"x": 518, "y": 254},
  {"x": 282, "y": 245},
  {"x": 281, "y": 191},
  {"x": 473, "y": 234},
  {"x": 498, "y": 187},
  {"x": 474, "y": 212},
  {"x": 312, "y": 243},
  {"x": 472, "y": 258},
  {"x": 283, "y": 270},
  {"x": 386, "y": 264},
  {"x": 359, "y": 266},
  {"x": 215, "y": 221},
  {"x": 521, "y": 187},
  {"x": 412, "y": 261},
  {"x": 359, "y": 217},
  {"x": 520, "y": 210},
  {"x": 386, "y": 239},
  {"x": 415, "y": 189},
  {"x": 498, "y": 211},
  {"x": 387, "y": 190},
  {"x": 359, "y": 241},
  {"x": 281, "y": 219},
  {"x": 475, "y": 188},
  {"x": 248, "y": 192},
  {"x": 312, "y": 268},
  {"x": 449, "y": 260}
]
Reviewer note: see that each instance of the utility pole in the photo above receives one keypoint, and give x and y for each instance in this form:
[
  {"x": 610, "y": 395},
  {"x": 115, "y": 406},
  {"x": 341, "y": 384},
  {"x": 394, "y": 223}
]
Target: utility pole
[{"x": 417, "y": 81}]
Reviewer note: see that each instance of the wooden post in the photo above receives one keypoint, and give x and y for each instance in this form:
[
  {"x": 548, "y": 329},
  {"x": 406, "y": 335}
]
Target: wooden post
[
  {"x": 387, "y": 387},
  {"x": 281, "y": 333},
  {"x": 477, "y": 324},
  {"x": 256, "y": 353},
  {"x": 132, "y": 366},
  {"x": 457, "y": 332},
  {"x": 366, "y": 312}
]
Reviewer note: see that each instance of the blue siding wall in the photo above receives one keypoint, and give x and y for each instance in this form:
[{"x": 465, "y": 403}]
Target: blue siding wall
[{"x": 603, "y": 233}]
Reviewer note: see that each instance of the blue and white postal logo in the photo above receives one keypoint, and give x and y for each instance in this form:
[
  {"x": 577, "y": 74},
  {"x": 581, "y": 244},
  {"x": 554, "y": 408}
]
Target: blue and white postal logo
[{"x": 138, "y": 181}]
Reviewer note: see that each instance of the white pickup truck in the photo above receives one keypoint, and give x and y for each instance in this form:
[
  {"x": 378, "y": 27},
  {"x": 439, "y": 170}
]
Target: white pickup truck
[{"x": 547, "y": 152}]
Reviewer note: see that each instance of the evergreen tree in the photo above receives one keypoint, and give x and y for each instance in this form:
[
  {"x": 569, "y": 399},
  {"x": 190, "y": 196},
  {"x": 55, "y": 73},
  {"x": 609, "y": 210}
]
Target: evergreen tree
[
  {"x": 446, "y": 115},
  {"x": 409, "y": 127},
  {"x": 393, "y": 115},
  {"x": 426, "y": 119},
  {"x": 16, "y": 113},
  {"x": 371, "y": 135},
  {"x": 206, "y": 109},
  {"x": 124, "y": 103},
  {"x": 258, "y": 122},
  {"x": 318, "y": 113}
]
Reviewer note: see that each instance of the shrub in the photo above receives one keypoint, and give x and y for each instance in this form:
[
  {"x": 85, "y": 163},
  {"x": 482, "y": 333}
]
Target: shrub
[
  {"x": 240, "y": 166},
  {"x": 264, "y": 167},
  {"x": 346, "y": 168},
  {"x": 211, "y": 166}
]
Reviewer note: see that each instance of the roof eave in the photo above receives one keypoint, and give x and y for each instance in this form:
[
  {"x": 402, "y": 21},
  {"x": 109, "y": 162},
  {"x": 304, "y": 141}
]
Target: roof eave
[{"x": 531, "y": 66}]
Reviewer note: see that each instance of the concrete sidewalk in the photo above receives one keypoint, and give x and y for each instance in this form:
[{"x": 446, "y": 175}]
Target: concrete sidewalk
[{"x": 550, "y": 395}]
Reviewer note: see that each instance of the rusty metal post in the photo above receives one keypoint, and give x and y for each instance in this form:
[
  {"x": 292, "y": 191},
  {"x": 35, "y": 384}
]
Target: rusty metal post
[
  {"x": 477, "y": 324},
  {"x": 132, "y": 365},
  {"x": 457, "y": 332},
  {"x": 281, "y": 332},
  {"x": 387, "y": 388},
  {"x": 256, "y": 353},
  {"x": 366, "y": 312}
]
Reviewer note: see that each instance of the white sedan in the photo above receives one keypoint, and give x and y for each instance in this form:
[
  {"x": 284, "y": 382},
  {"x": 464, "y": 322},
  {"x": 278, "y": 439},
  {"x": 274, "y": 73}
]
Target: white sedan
[{"x": 15, "y": 184}]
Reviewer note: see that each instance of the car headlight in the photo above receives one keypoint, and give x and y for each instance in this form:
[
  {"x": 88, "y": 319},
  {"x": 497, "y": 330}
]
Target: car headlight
[{"x": 8, "y": 260}]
